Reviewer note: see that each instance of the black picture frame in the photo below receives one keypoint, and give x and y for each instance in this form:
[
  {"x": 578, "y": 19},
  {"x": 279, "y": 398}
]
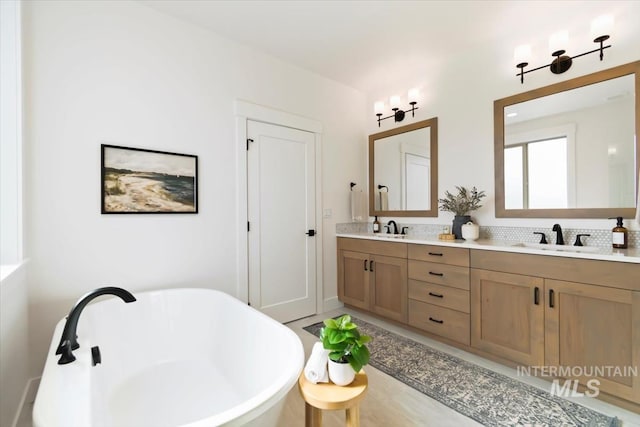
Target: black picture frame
[{"x": 142, "y": 181}]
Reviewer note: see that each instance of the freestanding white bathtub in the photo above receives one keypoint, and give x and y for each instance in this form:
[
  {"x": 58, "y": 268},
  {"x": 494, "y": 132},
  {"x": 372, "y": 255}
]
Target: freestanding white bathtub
[{"x": 178, "y": 357}]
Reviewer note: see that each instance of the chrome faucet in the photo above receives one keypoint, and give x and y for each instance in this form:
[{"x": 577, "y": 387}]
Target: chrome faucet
[
  {"x": 69, "y": 339},
  {"x": 395, "y": 227},
  {"x": 558, "y": 230}
]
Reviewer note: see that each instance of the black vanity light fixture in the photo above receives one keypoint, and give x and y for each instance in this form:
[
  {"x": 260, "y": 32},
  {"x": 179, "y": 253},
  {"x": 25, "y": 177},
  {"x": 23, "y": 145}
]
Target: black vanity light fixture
[
  {"x": 601, "y": 28},
  {"x": 394, "y": 102}
]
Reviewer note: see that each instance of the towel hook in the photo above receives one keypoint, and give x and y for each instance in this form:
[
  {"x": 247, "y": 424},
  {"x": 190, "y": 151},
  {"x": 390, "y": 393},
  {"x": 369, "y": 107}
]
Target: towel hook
[{"x": 353, "y": 184}]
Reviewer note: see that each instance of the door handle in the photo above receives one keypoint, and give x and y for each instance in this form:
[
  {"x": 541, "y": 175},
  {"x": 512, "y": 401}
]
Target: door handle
[
  {"x": 536, "y": 295},
  {"x": 365, "y": 265},
  {"x": 311, "y": 233},
  {"x": 552, "y": 303},
  {"x": 371, "y": 265}
]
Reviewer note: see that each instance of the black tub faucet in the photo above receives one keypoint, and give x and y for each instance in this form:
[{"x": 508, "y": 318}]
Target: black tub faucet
[
  {"x": 395, "y": 226},
  {"x": 558, "y": 230},
  {"x": 69, "y": 341}
]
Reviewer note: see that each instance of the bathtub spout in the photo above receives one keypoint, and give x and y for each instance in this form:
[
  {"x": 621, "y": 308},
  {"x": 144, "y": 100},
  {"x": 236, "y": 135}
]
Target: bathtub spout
[{"x": 68, "y": 341}]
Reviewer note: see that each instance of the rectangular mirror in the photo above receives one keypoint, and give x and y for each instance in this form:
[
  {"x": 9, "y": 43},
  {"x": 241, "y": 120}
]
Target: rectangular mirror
[
  {"x": 569, "y": 150},
  {"x": 403, "y": 171}
]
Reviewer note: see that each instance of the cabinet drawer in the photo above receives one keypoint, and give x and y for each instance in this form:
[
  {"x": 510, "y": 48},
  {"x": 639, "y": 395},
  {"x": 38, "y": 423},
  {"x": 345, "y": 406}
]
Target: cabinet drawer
[
  {"x": 443, "y": 296},
  {"x": 394, "y": 249},
  {"x": 440, "y": 274},
  {"x": 440, "y": 321},
  {"x": 439, "y": 254}
]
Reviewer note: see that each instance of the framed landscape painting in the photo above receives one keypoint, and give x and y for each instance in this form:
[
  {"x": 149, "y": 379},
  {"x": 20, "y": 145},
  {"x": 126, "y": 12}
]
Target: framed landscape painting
[{"x": 136, "y": 180}]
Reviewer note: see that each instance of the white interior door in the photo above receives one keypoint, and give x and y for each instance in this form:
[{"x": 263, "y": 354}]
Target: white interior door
[
  {"x": 281, "y": 213},
  {"x": 417, "y": 169}
]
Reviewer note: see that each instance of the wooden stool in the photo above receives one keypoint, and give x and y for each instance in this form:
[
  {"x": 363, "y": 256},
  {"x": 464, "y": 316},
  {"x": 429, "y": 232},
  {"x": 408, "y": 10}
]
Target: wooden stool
[{"x": 329, "y": 396}]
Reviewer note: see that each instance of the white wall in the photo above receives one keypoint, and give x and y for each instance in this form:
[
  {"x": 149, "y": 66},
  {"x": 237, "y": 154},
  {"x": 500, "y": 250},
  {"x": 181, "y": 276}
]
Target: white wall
[
  {"x": 125, "y": 74},
  {"x": 460, "y": 91}
]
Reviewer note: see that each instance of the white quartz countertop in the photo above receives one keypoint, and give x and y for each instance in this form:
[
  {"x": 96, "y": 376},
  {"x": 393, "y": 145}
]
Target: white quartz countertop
[{"x": 606, "y": 254}]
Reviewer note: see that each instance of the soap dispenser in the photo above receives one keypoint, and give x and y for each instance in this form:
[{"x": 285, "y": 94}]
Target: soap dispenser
[
  {"x": 619, "y": 235},
  {"x": 376, "y": 225}
]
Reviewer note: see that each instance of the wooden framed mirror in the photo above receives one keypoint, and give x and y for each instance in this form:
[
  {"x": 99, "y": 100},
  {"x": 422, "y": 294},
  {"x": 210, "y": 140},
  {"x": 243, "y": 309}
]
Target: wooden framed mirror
[
  {"x": 570, "y": 150},
  {"x": 403, "y": 171}
]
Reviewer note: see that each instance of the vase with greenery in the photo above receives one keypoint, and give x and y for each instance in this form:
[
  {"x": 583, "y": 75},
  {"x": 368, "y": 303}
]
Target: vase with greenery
[
  {"x": 460, "y": 205},
  {"x": 348, "y": 352}
]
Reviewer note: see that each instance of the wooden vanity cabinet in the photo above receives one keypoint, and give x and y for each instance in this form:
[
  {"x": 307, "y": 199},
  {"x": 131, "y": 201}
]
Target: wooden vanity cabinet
[
  {"x": 353, "y": 278},
  {"x": 372, "y": 275},
  {"x": 507, "y": 315},
  {"x": 590, "y": 322},
  {"x": 594, "y": 326},
  {"x": 534, "y": 310},
  {"x": 439, "y": 291}
]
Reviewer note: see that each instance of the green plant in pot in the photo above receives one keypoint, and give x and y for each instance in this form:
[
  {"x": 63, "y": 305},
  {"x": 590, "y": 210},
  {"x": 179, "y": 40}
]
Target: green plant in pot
[
  {"x": 348, "y": 352},
  {"x": 460, "y": 205}
]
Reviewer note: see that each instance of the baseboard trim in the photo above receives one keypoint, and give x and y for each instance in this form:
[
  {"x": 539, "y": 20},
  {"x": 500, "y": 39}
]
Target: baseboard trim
[{"x": 28, "y": 397}]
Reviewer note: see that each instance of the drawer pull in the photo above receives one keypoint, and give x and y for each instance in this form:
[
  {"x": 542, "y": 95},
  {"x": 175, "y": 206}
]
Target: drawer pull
[
  {"x": 436, "y": 274},
  {"x": 436, "y": 295},
  {"x": 536, "y": 296},
  {"x": 435, "y": 253},
  {"x": 371, "y": 265},
  {"x": 551, "y": 298},
  {"x": 365, "y": 265},
  {"x": 436, "y": 320}
]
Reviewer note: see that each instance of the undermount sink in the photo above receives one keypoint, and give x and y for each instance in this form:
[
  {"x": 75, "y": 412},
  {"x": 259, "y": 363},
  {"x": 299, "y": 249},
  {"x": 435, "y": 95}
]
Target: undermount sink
[
  {"x": 561, "y": 248},
  {"x": 390, "y": 236}
]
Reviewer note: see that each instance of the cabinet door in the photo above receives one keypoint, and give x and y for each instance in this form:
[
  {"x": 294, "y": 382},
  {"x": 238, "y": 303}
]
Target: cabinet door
[
  {"x": 389, "y": 287},
  {"x": 507, "y": 315},
  {"x": 595, "y": 329},
  {"x": 353, "y": 278}
]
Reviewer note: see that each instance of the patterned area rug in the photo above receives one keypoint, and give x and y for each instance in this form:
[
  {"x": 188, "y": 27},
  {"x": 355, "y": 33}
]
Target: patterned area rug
[{"x": 487, "y": 397}]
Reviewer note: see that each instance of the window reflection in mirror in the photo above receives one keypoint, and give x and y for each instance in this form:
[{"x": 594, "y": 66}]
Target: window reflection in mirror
[
  {"x": 569, "y": 149},
  {"x": 403, "y": 170}
]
